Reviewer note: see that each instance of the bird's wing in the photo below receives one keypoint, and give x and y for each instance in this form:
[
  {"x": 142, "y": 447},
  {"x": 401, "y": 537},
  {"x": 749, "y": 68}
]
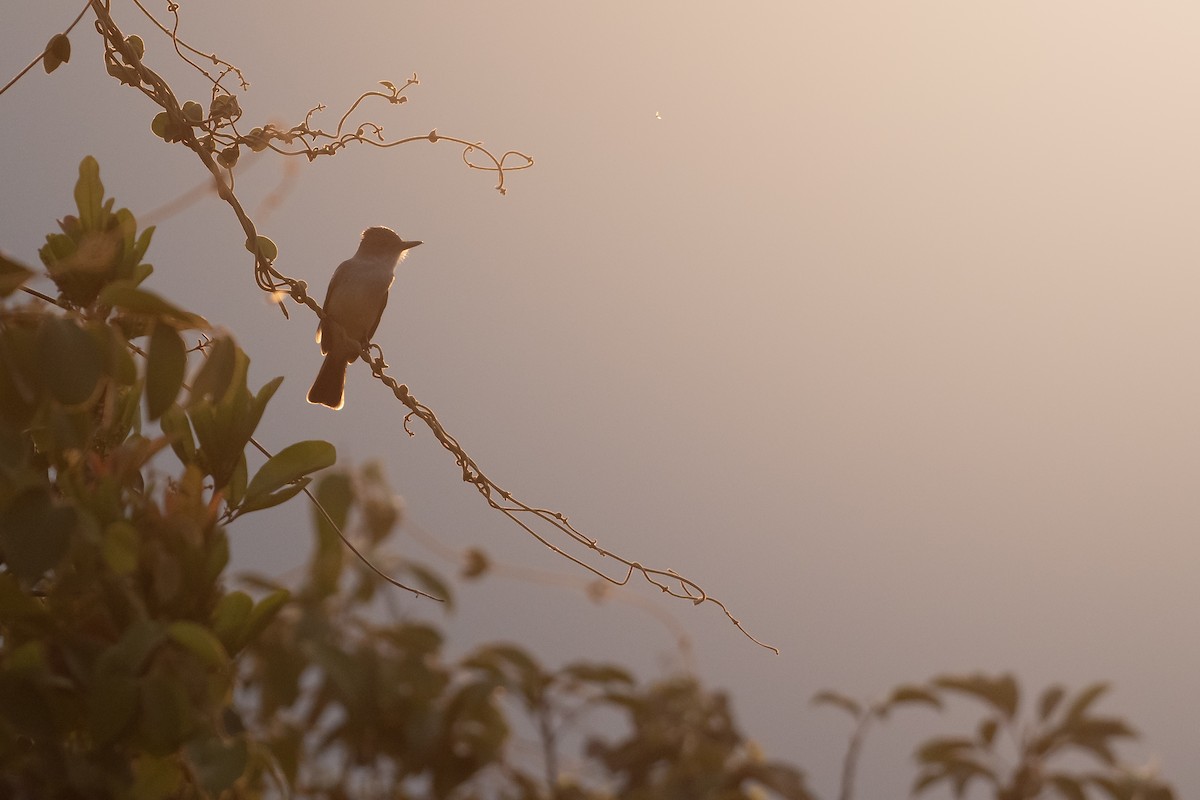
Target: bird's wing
[{"x": 379, "y": 316}]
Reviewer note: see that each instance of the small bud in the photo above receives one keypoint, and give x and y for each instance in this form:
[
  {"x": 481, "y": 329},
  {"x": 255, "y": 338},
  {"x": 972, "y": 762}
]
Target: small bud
[
  {"x": 136, "y": 45},
  {"x": 228, "y": 157},
  {"x": 57, "y": 52}
]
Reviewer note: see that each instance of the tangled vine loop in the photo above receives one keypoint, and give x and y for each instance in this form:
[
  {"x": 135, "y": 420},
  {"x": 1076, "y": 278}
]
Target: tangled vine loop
[{"x": 216, "y": 141}]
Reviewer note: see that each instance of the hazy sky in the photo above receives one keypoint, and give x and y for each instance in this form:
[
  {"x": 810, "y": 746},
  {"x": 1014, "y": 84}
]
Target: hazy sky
[{"x": 877, "y": 319}]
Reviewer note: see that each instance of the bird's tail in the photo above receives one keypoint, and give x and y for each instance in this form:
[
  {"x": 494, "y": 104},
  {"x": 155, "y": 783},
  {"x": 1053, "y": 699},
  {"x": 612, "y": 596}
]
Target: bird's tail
[{"x": 330, "y": 386}]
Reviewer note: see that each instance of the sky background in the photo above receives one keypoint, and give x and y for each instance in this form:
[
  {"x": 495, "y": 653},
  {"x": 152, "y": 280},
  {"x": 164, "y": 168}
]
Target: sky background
[{"x": 876, "y": 319}]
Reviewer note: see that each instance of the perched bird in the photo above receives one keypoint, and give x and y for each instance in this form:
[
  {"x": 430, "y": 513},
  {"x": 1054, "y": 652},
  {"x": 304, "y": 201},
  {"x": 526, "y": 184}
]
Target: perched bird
[{"x": 354, "y": 302}]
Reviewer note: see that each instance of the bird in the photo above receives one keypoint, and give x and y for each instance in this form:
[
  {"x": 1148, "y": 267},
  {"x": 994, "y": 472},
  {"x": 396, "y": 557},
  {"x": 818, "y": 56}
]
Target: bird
[{"x": 354, "y": 303}]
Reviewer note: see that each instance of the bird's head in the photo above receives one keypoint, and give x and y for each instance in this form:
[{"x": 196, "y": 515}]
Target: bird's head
[{"x": 383, "y": 241}]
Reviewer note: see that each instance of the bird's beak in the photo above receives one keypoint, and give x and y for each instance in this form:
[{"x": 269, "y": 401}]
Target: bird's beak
[{"x": 408, "y": 245}]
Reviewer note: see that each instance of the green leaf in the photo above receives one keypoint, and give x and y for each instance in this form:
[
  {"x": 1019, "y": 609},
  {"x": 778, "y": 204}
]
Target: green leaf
[
  {"x": 125, "y": 295},
  {"x": 335, "y": 493},
  {"x": 139, "y": 251},
  {"x": 216, "y": 763},
  {"x": 228, "y": 159},
  {"x": 830, "y": 698},
  {"x": 35, "y": 533},
  {"x": 159, "y": 124},
  {"x": 136, "y": 45},
  {"x": 70, "y": 360},
  {"x": 166, "y": 718},
  {"x": 89, "y": 195},
  {"x": 235, "y": 490},
  {"x": 264, "y": 246},
  {"x": 259, "y": 502},
  {"x": 120, "y": 362},
  {"x": 193, "y": 111},
  {"x": 12, "y": 275},
  {"x": 165, "y": 368},
  {"x": 134, "y": 648},
  {"x": 174, "y": 424},
  {"x": 216, "y": 373},
  {"x": 200, "y": 641},
  {"x": 1000, "y": 692},
  {"x": 259, "y": 403},
  {"x": 120, "y": 547},
  {"x": 230, "y": 619},
  {"x": 57, "y": 52},
  {"x": 289, "y": 464},
  {"x": 264, "y": 612}
]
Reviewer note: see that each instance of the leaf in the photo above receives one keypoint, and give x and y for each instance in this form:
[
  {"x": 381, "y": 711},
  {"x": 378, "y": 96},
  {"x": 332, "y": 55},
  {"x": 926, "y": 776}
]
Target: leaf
[
  {"x": 70, "y": 360},
  {"x": 264, "y": 612},
  {"x": 230, "y": 619},
  {"x": 136, "y": 45},
  {"x": 35, "y": 533},
  {"x": 158, "y": 125},
  {"x": 57, "y": 52},
  {"x": 1000, "y": 692},
  {"x": 913, "y": 694},
  {"x": 228, "y": 159},
  {"x": 235, "y": 491},
  {"x": 987, "y": 732},
  {"x": 125, "y": 295},
  {"x": 166, "y": 717},
  {"x": 12, "y": 275},
  {"x": 949, "y": 749},
  {"x": 134, "y": 648},
  {"x": 475, "y": 563},
  {"x": 120, "y": 362},
  {"x": 598, "y": 673},
  {"x": 165, "y": 368},
  {"x": 258, "y": 403},
  {"x": 216, "y": 763},
  {"x": 432, "y": 583},
  {"x": 263, "y": 245},
  {"x": 290, "y": 464},
  {"x": 120, "y": 547},
  {"x": 1049, "y": 701},
  {"x": 259, "y": 502},
  {"x": 193, "y": 111},
  {"x": 216, "y": 373},
  {"x": 1084, "y": 700},
  {"x": 847, "y": 704},
  {"x": 200, "y": 641},
  {"x": 89, "y": 195},
  {"x": 139, "y": 250},
  {"x": 335, "y": 493},
  {"x": 174, "y": 424}
]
